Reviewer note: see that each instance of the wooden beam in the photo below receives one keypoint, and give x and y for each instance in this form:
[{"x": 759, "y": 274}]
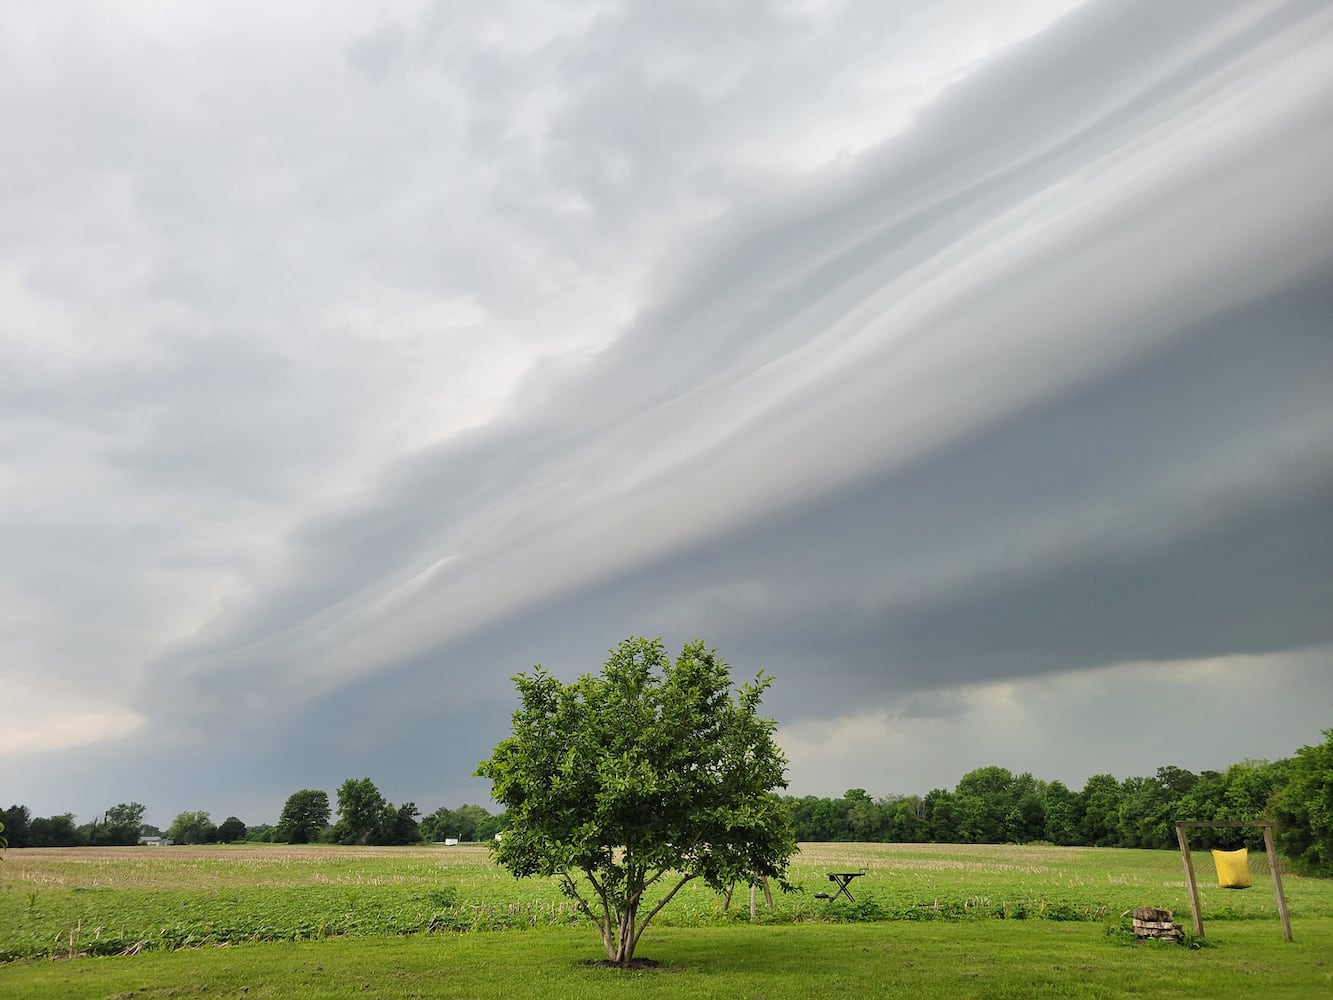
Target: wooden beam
[
  {"x": 1232, "y": 822},
  {"x": 1189, "y": 877},
  {"x": 1277, "y": 881}
]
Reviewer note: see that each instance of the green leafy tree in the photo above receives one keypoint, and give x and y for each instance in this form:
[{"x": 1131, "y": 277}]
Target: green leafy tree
[
  {"x": 304, "y": 816},
  {"x": 817, "y": 819},
  {"x": 231, "y": 830},
  {"x": 1060, "y": 812},
  {"x": 119, "y": 826},
  {"x": 1099, "y": 804},
  {"x": 942, "y": 820},
  {"x": 403, "y": 827},
  {"x": 53, "y": 831},
  {"x": 361, "y": 813},
  {"x": 909, "y": 819},
  {"x": 16, "y": 819},
  {"x": 192, "y": 828},
  {"x": 1304, "y": 808},
  {"x": 629, "y": 784},
  {"x": 439, "y": 825}
]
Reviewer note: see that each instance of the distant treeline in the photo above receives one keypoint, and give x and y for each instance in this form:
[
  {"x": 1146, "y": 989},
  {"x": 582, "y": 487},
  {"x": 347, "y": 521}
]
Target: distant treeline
[
  {"x": 365, "y": 817},
  {"x": 990, "y": 805}
]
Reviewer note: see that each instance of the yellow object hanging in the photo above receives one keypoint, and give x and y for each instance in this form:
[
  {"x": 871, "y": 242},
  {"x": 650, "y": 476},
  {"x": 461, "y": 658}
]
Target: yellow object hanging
[{"x": 1233, "y": 869}]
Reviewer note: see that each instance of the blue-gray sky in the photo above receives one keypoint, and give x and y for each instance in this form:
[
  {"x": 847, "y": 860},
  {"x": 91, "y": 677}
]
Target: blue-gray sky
[{"x": 968, "y": 367}]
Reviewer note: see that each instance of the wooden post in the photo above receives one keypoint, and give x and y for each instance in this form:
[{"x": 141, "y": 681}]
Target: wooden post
[
  {"x": 1277, "y": 881},
  {"x": 1189, "y": 879}
]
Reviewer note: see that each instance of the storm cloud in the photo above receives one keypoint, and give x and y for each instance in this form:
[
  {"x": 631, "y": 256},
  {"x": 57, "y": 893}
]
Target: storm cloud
[{"x": 968, "y": 374}]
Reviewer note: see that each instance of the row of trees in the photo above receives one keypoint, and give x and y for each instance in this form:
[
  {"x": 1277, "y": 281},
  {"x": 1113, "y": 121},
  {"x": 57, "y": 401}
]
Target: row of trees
[
  {"x": 988, "y": 805},
  {"x": 992, "y": 805},
  {"x": 120, "y": 826},
  {"x": 366, "y": 817}
]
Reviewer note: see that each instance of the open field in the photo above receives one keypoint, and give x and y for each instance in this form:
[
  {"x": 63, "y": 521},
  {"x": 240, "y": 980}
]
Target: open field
[{"x": 927, "y": 922}]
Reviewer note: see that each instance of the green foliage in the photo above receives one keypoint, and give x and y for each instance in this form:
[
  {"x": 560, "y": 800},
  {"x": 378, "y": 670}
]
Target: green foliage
[
  {"x": 53, "y": 831},
  {"x": 192, "y": 828},
  {"x": 645, "y": 777},
  {"x": 16, "y": 819},
  {"x": 466, "y": 824},
  {"x": 366, "y": 817},
  {"x": 304, "y": 816},
  {"x": 1304, "y": 808},
  {"x": 361, "y": 813},
  {"x": 231, "y": 830},
  {"x": 402, "y": 827},
  {"x": 119, "y": 827}
]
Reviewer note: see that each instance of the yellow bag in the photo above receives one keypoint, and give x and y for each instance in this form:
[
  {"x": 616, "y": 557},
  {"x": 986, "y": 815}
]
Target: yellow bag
[{"x": 1233, "y": 869}]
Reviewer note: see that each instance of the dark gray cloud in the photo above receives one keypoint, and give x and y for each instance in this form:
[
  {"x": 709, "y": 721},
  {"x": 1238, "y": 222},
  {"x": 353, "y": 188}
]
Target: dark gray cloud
[{"x": 938, "y": 371}]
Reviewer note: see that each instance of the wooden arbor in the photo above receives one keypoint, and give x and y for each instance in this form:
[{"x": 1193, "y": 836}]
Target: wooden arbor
[{"x": 1272, "y": 867}]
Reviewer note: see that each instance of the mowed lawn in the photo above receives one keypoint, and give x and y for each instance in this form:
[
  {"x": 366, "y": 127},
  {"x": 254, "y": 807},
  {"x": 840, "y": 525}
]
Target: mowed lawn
[{"x": 930, "y": 920}]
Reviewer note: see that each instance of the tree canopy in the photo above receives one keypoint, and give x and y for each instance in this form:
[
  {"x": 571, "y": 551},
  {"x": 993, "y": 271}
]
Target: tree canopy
[
  {"x": 193, "y": 828},
  {"x": 639, "y": 780},
  {"x": 230, "y": 830},
  {"x": 304, "y": 816},
  {"x": 361, "y": 813},
  {"x": 1304, "y": 808}
]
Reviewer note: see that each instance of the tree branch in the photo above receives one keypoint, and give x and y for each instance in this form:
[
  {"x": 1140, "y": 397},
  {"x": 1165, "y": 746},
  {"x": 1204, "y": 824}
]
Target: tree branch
[{"x": 656, "y": 909}]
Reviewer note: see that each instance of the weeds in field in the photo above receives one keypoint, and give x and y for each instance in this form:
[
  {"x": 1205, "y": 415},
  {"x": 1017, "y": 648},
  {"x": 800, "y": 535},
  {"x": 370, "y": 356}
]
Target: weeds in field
[{"x": 128, "y": 901}]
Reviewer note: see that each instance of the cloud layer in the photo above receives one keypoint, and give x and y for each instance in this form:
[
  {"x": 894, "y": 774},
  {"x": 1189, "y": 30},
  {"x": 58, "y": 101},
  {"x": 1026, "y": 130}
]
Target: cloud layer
[{"x": 916, "y": 356}]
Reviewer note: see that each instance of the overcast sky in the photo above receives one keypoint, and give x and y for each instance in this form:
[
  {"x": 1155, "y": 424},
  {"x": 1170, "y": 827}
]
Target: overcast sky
[{"x": 965, "y": 366}]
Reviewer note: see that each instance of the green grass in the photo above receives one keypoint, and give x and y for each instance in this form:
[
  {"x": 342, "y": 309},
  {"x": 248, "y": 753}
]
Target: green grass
[
  {"x": 975, "y": 959},
  {"x": 929, "y": 920}
]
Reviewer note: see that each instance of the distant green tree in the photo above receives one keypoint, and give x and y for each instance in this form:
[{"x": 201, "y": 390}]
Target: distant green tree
[
  {"x": 304, "y": 816},
  {"x": 867, "y": 819},
  {"x": 231, "y": 830},
  {"x": 1025, "y": 820},
  {"x": 53, "y": 831},
  {"x": 402, "y": 827},
  {"x": 439, "y": 825},
  {"x": 119, "y": 826},
  {"x": 1099, "y": 804},
  {"x": 986, "y": 807},
  {"x": 817, "y": 820},
  {"x": 1303, "y": 809},
  {"x": 16, "y": 819},
  {"x": 192, "y": 828},
  {"x": 942, "y": 821},
  {"x": 1060, "y": 814},
  {"x": 909, "y": 819},
  {"x": 362, "y": 813},
  {"x": 1249, "y": 787}
]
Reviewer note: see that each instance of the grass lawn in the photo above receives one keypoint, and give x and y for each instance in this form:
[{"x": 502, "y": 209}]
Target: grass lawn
[
  {"x": 929, "y": 921},
  {"x": 991, "y": 959}
]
